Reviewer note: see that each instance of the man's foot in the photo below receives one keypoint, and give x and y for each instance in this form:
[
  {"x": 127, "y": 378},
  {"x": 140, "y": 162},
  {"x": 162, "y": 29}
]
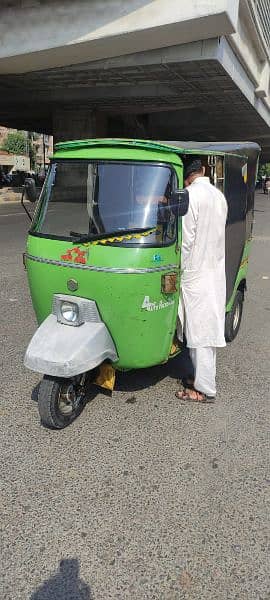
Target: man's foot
[
  {"x": 188, "y": 382},
  {"x": 192, "y": 395}
]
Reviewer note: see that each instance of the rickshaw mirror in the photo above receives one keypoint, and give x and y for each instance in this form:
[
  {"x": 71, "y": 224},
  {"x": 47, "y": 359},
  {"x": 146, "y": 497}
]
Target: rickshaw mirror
[
  {"x": 30, "y": 189},
  {"x": 179, "y": 201}
]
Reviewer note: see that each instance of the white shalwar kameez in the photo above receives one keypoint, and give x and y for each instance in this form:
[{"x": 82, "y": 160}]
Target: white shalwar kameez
[{"x": 203, "y": 281}]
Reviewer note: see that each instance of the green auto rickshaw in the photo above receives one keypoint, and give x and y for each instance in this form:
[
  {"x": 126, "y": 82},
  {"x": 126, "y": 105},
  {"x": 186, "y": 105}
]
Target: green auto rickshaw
[{"x": 103, "y": 257}]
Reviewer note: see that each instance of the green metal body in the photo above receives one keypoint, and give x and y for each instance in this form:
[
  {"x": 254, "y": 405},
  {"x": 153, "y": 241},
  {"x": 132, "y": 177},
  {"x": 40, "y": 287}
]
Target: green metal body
[
  {"x": 142, "y": 337},
  {"x": 241, "y": 275}
]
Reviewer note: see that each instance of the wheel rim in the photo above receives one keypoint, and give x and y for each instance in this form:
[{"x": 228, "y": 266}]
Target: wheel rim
[
  {"x": 66, "y": 400},
  {"x": 71, "y": 396},
  {"x": 236, "y": 317}
]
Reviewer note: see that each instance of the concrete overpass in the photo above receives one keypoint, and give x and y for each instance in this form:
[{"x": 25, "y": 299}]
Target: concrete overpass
[{"x": 163, "y": 69}]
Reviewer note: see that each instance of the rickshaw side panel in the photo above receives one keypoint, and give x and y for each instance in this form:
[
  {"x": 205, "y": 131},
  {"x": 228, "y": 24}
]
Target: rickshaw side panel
[
  {"x": 236, "y": 196},
  {"x": 241, "y": 275},
  {"x": 240, "y": 180}
]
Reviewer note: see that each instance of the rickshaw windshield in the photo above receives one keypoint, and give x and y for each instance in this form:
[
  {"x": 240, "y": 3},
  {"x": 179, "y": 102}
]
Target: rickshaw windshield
[{"x": 86, "y": 199}]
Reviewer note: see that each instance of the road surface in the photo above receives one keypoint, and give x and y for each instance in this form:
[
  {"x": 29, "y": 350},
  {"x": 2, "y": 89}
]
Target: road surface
[{"x": 142, "y": 497}]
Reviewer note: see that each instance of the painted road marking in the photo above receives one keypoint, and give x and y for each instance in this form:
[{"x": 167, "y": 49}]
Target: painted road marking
[
  {"x": 11, "y": 214},
  {"x": 21, "y": 213}
]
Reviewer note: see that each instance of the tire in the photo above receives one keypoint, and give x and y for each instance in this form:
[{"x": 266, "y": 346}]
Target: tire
[
  {"x": 60, "y": 401},
  {"x": 233, "y": 318}
]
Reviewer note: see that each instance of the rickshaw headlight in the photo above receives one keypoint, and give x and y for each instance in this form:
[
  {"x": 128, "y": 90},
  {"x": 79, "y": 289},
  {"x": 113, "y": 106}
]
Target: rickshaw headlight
[
  {"x": 69, "y": 311},
  {"x": 74, "y": 311}
]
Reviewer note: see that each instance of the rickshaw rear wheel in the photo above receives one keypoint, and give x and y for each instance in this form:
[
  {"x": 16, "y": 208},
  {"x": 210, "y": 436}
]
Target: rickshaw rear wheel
[
  {"x": 60, "y": 401},
  {"x": 233, "y": 318}
]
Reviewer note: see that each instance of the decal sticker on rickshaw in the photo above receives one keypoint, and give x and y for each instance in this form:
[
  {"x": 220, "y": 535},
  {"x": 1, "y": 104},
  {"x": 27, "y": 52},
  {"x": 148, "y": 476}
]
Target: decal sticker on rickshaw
[
  {"x": 244, "y": 262},
  {"x": 120, "y": 238},
  {"x": 75, "y": 255},
  {"x": 153, "y": 306},
  {"x": 157, "y": 258}
]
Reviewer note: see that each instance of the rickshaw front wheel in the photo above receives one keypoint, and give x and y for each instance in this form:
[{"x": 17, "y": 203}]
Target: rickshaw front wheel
[{"x": 61, "y": 400}]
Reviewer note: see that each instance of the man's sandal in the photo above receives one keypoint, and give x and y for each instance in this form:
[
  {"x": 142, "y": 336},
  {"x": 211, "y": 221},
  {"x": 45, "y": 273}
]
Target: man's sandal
[
  {"x": 188, "y": 382},
  {"x": 185, "y": 396}
]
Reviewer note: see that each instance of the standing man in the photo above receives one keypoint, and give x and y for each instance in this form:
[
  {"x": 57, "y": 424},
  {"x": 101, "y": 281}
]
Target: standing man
[{"x": 203, "y": 282}]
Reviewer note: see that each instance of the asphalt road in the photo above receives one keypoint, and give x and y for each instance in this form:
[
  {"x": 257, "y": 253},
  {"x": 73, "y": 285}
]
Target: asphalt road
[{"x": 142, "y": 497}]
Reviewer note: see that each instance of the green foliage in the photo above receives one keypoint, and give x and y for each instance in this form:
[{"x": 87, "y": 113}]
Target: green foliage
[
  {"x": 264, "y": 170},
  {"x": 15, "y": 143}
]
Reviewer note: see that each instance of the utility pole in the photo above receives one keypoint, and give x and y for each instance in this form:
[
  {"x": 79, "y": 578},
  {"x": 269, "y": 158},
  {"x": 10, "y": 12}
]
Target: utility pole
[{"x": 44, "y": 152}]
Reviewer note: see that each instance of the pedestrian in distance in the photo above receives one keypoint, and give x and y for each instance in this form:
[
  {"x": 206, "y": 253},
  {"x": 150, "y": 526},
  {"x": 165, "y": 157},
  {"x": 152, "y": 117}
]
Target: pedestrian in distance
[{"x": 267, "y": 187}]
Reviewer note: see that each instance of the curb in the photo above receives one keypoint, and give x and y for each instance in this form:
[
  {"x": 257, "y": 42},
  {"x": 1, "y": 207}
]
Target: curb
[
  {"x": 3, "y": 201},
  {"x": 9, "y": 196}
]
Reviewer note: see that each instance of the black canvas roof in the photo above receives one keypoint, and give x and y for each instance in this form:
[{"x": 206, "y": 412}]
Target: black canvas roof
[{"x": 250, "y": 149}]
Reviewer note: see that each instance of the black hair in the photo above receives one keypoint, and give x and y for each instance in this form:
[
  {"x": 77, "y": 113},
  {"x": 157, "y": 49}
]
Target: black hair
[{"x": 193, "y": 165}]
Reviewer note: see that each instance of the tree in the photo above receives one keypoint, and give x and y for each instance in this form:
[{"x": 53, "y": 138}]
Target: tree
[
  {"x": 264, "y": 170},
  {"x": 16, "y": 143}
]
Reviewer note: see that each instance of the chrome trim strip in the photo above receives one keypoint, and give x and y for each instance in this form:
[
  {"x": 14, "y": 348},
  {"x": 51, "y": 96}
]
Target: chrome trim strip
[{"x": 118, "y": 270}]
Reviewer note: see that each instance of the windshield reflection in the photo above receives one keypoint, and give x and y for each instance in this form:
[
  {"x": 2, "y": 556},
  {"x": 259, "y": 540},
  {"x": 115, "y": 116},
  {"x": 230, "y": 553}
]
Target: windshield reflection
[{"x": 103, "y": 197}]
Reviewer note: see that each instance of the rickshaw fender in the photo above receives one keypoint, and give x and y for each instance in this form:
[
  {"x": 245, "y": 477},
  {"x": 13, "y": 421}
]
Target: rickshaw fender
[{"x": 64, "y": 351}]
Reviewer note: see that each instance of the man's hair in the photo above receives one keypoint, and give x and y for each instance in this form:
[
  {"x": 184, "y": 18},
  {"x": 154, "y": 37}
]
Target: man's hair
[{"x": 193, "y": 165}]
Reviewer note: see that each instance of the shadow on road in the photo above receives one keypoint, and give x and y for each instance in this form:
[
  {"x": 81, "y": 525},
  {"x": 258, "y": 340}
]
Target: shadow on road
[
  {"x": 133, "y": 381},
  {"x": 140, "y": 379},
  {"x": 65, "y": 584}
]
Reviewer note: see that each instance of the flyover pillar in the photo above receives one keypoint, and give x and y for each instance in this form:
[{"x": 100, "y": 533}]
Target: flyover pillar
[{"x": 78, "y": 123}]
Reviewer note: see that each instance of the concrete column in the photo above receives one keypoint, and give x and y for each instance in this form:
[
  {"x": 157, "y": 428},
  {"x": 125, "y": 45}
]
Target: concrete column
[{"x": 77, "y": 124}]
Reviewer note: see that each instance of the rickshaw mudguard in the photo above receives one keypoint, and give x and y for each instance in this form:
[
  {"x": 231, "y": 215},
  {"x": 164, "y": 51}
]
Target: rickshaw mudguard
[{"x": 64, "y": 351}]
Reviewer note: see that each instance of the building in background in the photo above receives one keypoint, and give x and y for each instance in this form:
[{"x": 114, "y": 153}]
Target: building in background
[
  {"x": 13, "y": 162},
  {"x": 38, "y": 149},
  {"x": 33, "y": 156},
  {"x": 44, "y": 149}
]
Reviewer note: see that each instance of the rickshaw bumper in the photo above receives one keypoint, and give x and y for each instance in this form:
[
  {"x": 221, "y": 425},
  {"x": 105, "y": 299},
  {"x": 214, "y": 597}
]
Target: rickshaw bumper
[{"x": 59, "y": 350}]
